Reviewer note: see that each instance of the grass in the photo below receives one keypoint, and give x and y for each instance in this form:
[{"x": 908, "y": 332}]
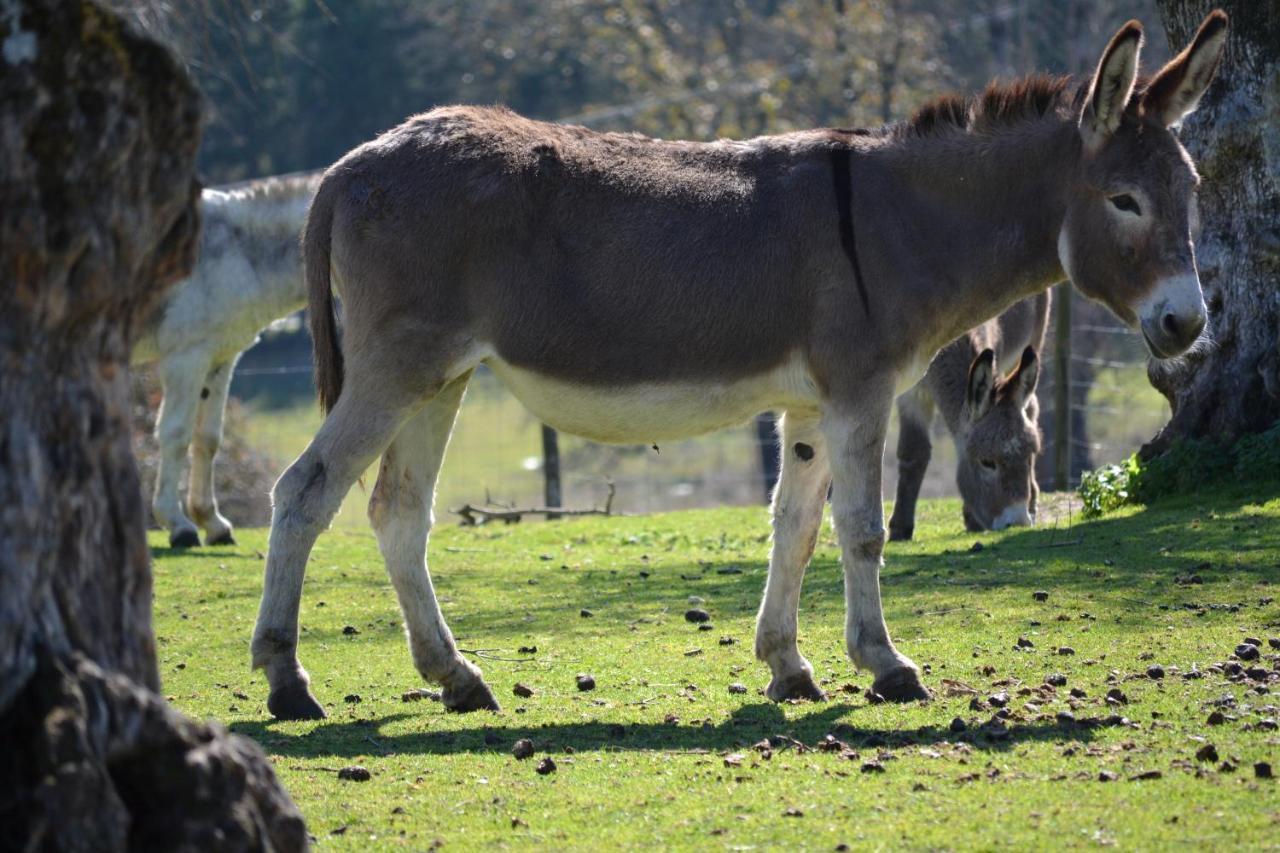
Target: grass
[{"x": 642, "y": 759}]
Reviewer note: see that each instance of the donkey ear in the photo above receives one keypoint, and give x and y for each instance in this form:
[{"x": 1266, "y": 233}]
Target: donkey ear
[
  {"x": 1112, "y": 85},
  {"x": 1176, "y": 90},
  {"x": 980, "y": 393},
  {"x": 1024, "y": 378}
]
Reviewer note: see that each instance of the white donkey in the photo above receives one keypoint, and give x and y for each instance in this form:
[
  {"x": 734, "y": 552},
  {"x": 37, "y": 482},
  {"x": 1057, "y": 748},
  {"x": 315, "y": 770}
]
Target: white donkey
[
  {"x": 249, "y": 273},
  {"x": 630, "y": 289}
]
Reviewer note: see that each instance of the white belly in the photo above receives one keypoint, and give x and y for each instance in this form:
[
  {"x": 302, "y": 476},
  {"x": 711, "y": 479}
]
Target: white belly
[{"x": 656, "y": 411}]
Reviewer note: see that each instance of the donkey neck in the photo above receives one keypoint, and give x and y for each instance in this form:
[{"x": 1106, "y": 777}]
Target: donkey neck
[{"x": 983, "y": 210}]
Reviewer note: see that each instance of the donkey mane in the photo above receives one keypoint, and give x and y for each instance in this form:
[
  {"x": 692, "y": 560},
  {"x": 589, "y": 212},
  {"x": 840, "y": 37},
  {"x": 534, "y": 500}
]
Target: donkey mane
[{"x": 1001, "y": 103}]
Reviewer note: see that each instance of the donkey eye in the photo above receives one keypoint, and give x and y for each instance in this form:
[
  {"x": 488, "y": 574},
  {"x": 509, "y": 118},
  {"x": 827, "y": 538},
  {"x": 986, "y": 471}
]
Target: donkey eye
[
  {"x": 1127, "y": 203},
  {"x": 989, "y": 464}
]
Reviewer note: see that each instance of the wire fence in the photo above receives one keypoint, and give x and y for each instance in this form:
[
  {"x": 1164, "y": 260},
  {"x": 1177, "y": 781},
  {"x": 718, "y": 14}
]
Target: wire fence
[{"x": 497, "y": 454}]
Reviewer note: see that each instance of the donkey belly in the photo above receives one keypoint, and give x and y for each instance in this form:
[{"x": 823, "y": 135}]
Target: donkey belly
[{"x": 653, "y": 411}]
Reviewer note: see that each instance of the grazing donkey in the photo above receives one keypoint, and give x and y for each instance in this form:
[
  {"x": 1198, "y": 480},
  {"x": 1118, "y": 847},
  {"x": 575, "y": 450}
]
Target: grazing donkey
[
  {"x": 249, "y": 273},
  {"x": 992, "y": 420},
  {"x": 630, "y": 289}
]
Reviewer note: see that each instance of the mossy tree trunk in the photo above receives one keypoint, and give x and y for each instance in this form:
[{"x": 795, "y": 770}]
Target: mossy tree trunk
[
  {"x": 1232, "y": 388},
  {"x": 97, "y": 216}
]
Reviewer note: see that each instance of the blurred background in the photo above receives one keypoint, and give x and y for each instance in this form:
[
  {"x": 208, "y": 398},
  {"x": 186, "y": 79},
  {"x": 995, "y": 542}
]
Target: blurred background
[{"x": 291, "y": 85}]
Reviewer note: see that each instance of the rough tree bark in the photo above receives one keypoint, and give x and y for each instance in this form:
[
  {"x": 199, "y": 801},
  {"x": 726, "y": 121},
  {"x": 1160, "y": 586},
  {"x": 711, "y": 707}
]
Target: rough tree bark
[
  {"x": 1233, "y": 388},
  {"x": 98, "y": 134}
]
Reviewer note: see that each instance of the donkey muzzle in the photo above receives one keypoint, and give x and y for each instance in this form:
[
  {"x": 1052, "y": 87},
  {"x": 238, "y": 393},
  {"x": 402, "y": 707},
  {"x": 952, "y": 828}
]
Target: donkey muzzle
[{"x": 1174, "y": 317}]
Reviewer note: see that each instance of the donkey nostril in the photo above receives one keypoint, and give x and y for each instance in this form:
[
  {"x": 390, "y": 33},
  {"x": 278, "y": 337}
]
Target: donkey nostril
[{"x": 1170, "y": 324}]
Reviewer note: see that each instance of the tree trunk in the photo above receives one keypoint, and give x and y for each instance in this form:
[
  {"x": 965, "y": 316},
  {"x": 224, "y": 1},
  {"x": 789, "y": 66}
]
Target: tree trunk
[
  {"x": 97, "y": 216},
  {"x": 1232, "y": 388}
]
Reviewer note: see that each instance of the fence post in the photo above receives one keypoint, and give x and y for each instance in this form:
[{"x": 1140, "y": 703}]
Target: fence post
[
  {"x": 1062, "y": 387},
  {"x": 551, "y": 468},
  {"x": 767, "y": 438}
]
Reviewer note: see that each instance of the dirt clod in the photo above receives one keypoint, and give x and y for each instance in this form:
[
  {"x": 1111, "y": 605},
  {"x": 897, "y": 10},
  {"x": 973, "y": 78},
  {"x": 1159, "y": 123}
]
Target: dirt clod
[
  {"x": 1262, "y": 770},
  {"x": 351, "y": 630},
  {"x": 528, "y": 650},
  {"x": 585, "y": 613},
  {"x": 1024, "y": 643},
  {"x": 1056, "y": 679},
  {"x": 1208, "y": 752},
  {"x": 1247, "y": 651},
  {"x": 352, "y": 699},
  {"x": 1155, "y": 671},
  {"x": 524, "y": 691},
  {"x": 736, "y": 687},
  {"x": 793, "y": 812},
  {"x": 697, "y": 616},
  {"x": 1066, "y": 650},
  {"x": 586, "y": 682},
  {"x": 1040, "y": 595},
  {"x": 354, "y": 773},
  {"x": 1115, "y": 696},
  {"x": 958, "y": 725},
  {"x": 1146, "y": 774},
  {"x": 872, "y": 767},
  {"x": 727, "y": 641},
  {"x": 546, "y": 766},
  {"x": 1216, "y": 719},
  {"x": 1106, "y": 776},
  {"x": 522, "y": 749}
]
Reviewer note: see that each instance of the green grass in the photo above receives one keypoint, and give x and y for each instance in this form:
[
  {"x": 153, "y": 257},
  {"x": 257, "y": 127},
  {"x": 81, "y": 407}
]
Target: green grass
[{"x": 628, "y": 778}]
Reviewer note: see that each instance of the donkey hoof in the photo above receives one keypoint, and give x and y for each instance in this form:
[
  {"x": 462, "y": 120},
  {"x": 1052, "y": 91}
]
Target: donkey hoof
[
  {"x": 901, "y": 534},
  {"x": 799, "y": 685},
  {"x": 476, "y": 696},
  {"x": 184, "y": 539},
  {"x": 901, "y": 685},
  {"x": 294, "y": 702},
  {"x": 221, "y": 538}
]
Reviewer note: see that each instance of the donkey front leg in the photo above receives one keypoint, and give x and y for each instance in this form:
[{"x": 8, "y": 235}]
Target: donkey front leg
[
  {"x": 201, "y": 501},
  {"x": 400, "y": 510},
  {"x": 797, "y": 517},
  {"x": 915, "y": 415},
  {"x": 180, "y": 378},
  {"x": 855, "y": 439},
  {"x": 304, "y": 500}
]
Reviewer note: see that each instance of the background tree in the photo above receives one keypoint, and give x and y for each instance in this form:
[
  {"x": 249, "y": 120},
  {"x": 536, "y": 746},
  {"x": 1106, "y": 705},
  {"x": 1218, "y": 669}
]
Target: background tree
[
  {"x": 97, "y": 214},
  {"x": 1232, "y": 388}
]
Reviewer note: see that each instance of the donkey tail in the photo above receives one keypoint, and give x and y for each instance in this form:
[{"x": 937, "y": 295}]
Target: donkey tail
[{"x": 316, "y": 240}]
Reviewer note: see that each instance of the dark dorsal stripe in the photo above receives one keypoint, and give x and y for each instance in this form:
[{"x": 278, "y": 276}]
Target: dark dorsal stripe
[{"x": 840, "y": 173}]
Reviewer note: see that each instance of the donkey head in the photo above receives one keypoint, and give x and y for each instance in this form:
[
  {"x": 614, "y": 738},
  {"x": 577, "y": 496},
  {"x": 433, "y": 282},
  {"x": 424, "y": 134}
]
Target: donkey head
[
  {"x": 998, "y": 443},
  {"x": 1127, "y": 240}
]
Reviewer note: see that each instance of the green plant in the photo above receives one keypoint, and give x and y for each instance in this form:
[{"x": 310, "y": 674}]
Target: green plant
[
  {"x": 1187, "y": 466},
  {"x": 1108, "y": 487}
]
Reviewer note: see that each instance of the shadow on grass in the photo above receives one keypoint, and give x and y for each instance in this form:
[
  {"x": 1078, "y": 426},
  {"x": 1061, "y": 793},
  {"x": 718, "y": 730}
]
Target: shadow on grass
[{"x": 748, "y": 725}]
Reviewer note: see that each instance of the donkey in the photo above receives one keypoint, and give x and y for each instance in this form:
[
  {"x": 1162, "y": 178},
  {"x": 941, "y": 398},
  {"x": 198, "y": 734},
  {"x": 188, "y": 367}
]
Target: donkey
[
  {"x": 630, "y": 289},
  {"x": 993, "y": 421},
  {"x": 249, "y": 273}
]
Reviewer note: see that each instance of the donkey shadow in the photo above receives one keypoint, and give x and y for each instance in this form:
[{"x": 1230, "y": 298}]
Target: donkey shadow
[{"x": 747, "y": 725}]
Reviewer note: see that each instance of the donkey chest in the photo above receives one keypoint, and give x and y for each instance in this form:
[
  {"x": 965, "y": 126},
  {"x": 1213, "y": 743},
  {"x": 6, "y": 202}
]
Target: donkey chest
[{"x": 655, "y": 411}]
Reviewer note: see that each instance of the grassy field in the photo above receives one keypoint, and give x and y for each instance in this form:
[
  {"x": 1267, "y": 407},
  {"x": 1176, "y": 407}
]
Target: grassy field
[{"x": 663, "y": 753}]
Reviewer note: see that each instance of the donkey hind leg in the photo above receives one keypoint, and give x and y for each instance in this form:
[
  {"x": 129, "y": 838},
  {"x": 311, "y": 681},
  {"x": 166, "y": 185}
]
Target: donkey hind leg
[
  {"x": 855, "y": 441},
  {"x": 201, "y": 501},
  {"x": 304, "y": 501},
  {"x": 915, "y": 415},
  {"x": 181, "y": 379},
  {"x": 400, "y": 510},
  {"x": 797, "y": 517}
]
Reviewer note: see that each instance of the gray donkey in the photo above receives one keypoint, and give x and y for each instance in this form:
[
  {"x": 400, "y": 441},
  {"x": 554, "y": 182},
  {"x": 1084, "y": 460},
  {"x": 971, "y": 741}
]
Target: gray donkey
[
  {"x": 248, "y": 273},
  {"x": 992, "y": 418},
  {"x": 630, "y": 289}
]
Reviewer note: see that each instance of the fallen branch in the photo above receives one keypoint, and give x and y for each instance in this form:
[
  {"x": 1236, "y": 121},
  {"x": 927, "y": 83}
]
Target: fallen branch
[{"x": 474, "y": 516}]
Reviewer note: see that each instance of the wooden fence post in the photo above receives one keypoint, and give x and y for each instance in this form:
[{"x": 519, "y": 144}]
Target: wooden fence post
[
  {"x": 767, "y": 438},
  {"x": 551, "y": 469},
  {"x": 1062, "y": 387}
]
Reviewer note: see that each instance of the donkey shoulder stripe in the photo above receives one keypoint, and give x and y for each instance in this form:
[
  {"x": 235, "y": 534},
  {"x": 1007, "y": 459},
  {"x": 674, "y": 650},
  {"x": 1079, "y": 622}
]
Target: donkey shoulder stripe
[{"x": 841, "y": 173}]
